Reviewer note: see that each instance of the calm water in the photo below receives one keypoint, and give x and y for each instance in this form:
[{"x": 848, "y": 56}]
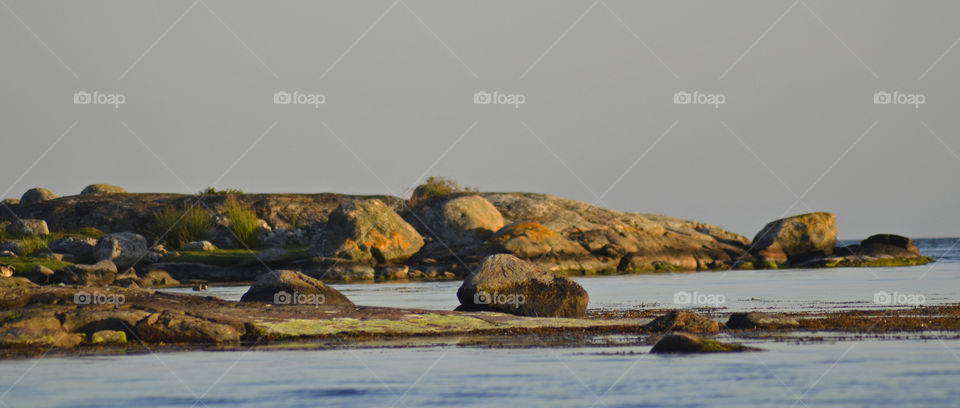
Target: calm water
[{"x": 849, "y": 373}]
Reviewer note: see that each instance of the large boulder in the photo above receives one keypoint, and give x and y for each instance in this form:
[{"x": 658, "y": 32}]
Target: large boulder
[
  {"x": 36, "y": 195},
  {"x": 464, "y": 220},
  {"x": 889, "y": 244},
  {"x": 505, "y": 283},
  {"x": 801, "y": 237},
  {"x": 367, "y": 230},
  {"x": 123, "y": 248},
  {"x": 102, "y": 189},
  {"x": 81, "y": 248},
  {"x": 36, "y": 331},
  {"x": 285, "y": 287},
  {"x": 30, "y": 227}
]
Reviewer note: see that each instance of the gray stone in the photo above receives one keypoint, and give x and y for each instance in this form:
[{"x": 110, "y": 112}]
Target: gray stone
[
  {"x": 30, "y": 227},
  {"x": 123, "y": 248}
]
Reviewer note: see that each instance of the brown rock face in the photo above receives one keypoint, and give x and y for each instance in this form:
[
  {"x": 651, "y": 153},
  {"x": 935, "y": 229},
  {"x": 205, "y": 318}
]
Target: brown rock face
[
  {"x": 463, "y": 220},
  {"x": 367, "y": 230},
  {"x": 532, "y": 240},
  {"x": 891, "y": 243},
  {"x": 800, "y": 237},
  {"x": 505, "y": 283},
  {"x": 292, "y": 288},
  {"x": 36, "y": 330},
  {"x": 174, "y": 327}
]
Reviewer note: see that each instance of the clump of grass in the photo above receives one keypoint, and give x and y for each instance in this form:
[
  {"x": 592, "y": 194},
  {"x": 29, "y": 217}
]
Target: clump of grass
[
  {"x": 214, "y": 191},
  {"x": 243, "y": 222},
  {"x": 436, "y": 187},
  {"x": 180, "y": 228},
  {"x": 33, "y": 245}
]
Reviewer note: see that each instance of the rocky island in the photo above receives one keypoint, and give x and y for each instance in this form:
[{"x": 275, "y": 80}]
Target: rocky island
[{"x": 77, "y": 271}]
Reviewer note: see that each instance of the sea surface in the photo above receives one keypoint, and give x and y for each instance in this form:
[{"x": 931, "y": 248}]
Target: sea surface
[{"x": 856, "y": 372}]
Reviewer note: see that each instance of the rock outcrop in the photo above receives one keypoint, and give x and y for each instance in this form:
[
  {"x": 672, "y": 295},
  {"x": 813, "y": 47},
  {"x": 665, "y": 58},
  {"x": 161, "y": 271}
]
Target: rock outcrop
[
  {"x": 505, "y": 283},
  {"x": 800, "y": 237},
  {"x": 367, "y": 231},
  {"x": 293, "y": 288}
]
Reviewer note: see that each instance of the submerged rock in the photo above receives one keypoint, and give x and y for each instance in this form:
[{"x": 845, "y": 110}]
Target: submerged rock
[
  {"x": 682, "y": 320},
  {"x": 290, "y": 288},
  {"x": 759, "y": 320},
  {"x": 688, "y": 343},
  {"x": 800, "y": 237},
  {"x": 367, "y": 230},
  {"x": 505, "y": 283}
]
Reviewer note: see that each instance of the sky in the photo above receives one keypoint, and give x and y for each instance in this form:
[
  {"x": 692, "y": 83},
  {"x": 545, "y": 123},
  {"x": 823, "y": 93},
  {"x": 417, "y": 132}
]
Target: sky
[{"x": 587, "y": 100}]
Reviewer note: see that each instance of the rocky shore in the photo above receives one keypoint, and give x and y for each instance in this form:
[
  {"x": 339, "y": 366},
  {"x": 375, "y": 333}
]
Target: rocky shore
[{"x": 443, "y": 232}]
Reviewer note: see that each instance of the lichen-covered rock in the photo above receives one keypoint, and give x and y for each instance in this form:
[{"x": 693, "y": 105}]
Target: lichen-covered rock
[
  {"x": 754, "y": 320},
  {"x": 13, "y": 297},
  {"x": 801, "y": 237},
  {"x": 464, "y": 220},
  {"x": 367, "y": 230},
  {"x": 82, "y": 248},
  {"x": 505, "y": 283},
  {"x": 32, "y": 227},
  {"x": 680, "y": 343},
  {"x": 114, "y": 337},
  {"x": 123, "y": 248},
  {"x": 36, "y": 195},
  {"x": 682, "y": 320},
  {"x": 102, "y": 189},
  {"x": 532, "y": 240},
  {"x": 36, "y": 331},
  {"x": 100, "y": 273},
  {"x": 174, "y": 327},
  {"x": 290, "y": 288}
]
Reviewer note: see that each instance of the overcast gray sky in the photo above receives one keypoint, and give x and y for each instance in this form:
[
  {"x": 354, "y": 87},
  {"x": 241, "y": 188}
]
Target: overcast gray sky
[{"x": 599, "y": 122}]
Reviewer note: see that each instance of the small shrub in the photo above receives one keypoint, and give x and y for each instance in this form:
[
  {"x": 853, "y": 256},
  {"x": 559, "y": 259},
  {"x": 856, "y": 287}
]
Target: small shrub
[
  {"x": 243, "y": 222},
  {"x": 195, "y": 224},
  {"x": 436, "y": 187},
  {"x": 213, "y": 191}
]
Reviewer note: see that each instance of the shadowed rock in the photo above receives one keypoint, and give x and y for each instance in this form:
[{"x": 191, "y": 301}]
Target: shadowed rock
[
  {"x": 755, "y": 320},
  {"x": 505, "y": 283},
  {"x": 682, "y": 343},
  {"x": 100, "y": 273},
  {"x": 36, "y": 195},
  {"x": 292, "y": 287}
]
